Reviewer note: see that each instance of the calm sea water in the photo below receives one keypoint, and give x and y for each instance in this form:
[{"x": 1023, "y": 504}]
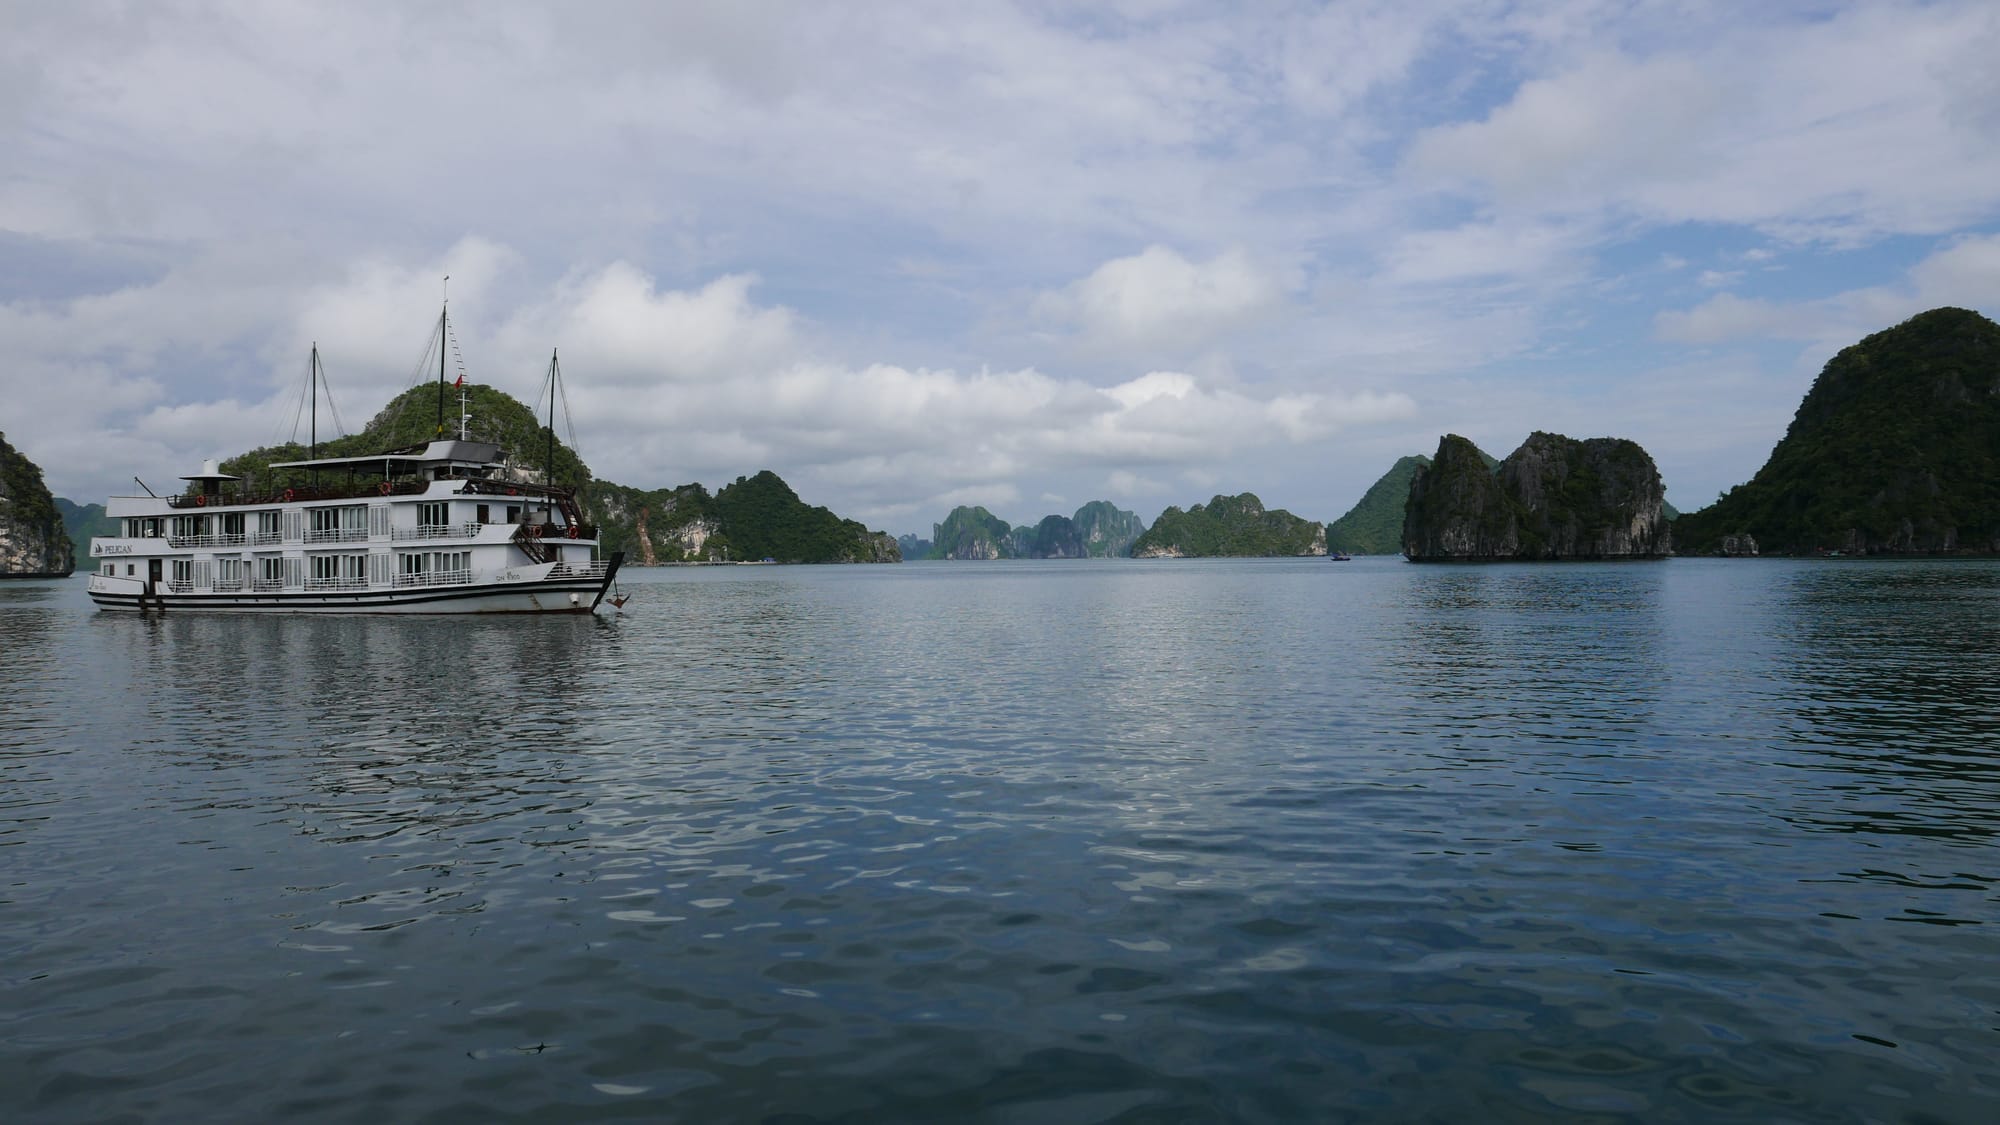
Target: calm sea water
[{"x": 1037, "y": 842}]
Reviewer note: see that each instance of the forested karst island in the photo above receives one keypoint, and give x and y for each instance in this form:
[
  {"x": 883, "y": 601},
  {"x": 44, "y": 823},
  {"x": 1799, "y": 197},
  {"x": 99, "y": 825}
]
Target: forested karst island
[
  {"x": 1230, "y": 526},
  {"x": 1894, "y": 450},
  {"x": 1553, "y": 498},
  {"x": 1374, "y": 526},
  {"x": 1099, "y": 529}
]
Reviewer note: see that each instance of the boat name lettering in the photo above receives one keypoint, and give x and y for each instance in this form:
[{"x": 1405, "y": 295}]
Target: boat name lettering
[{"x": 110, "y": 548}]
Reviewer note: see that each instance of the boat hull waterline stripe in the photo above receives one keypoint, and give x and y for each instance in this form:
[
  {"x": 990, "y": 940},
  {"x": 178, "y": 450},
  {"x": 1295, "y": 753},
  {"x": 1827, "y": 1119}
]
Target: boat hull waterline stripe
[{"x": 526, "y": 597}]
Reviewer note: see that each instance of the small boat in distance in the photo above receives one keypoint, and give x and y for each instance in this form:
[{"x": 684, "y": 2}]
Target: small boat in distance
[
  {"x": 442, "y": 527},
  {"x": 1339, "y": 556}
]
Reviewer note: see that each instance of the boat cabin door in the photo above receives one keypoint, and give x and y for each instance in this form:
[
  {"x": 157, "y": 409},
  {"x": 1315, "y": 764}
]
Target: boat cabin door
[{"x": 153, "y": 571}]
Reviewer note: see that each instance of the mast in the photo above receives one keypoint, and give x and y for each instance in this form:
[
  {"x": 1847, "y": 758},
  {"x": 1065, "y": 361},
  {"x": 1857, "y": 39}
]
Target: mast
[
  {"x": 313, "y": 377},
  {"x": 550, "y": 462},
  {"x": 444, "y": 326},
  {"x": 313, "y": 432}
]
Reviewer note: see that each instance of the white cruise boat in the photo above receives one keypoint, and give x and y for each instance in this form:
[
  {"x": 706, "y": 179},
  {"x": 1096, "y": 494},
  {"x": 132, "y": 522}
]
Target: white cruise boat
[
  {"x": 443, "y": 527},
  {"x": 436, "y": 528}
]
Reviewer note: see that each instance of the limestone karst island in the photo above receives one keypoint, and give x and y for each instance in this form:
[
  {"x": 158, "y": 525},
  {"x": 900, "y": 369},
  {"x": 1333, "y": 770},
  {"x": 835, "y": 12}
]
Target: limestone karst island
[{"x": 1895, "y": 450}]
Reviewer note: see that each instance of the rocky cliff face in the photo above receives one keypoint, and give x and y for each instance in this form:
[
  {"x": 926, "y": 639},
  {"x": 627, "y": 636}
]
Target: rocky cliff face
[
  {"x": 1056, "y": 537},
  {"x": 1107, "y": 530},
  {"x": 753, "y": 518},
  {"x": 1099, "y": 529},
  {"x": 1601, "y": 498},
  {"x": 33, "y": 543},
  {"x": 1456, "y": 509},
  {"x": 972, "y": 533},
  {"x": 1553, "y": 498},
  {"x": 666, "y": 525}
]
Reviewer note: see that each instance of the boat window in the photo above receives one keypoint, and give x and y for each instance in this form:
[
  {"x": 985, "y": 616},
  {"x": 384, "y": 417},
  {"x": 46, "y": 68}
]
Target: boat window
[
  {"x": 485, "y": 513},
  {"x": 513, "y": 513},
  {"x": 432, "y": 513},
  {"x": 348, "y": 522}
]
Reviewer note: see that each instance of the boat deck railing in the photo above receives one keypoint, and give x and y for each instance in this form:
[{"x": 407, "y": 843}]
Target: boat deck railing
[
  {"x": 435, "y": 578},
  {"x": 580, "y": 570},
  {"x": 300, "y": 493},
  {"x": 236, "y": 540},
  {"x": 336, "y": 583},
  {"x": 337, "y": 535},
  {"x": 467, "y": 530}
]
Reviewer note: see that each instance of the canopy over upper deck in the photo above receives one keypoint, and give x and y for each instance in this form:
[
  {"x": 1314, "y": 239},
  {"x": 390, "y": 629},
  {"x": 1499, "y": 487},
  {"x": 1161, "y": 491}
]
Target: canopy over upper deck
[{"x": 449, "y": 453}]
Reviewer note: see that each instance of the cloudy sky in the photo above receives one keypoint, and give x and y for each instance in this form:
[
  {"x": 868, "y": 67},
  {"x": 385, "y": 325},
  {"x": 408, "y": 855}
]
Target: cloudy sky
[{"x": 911, "y": 255}]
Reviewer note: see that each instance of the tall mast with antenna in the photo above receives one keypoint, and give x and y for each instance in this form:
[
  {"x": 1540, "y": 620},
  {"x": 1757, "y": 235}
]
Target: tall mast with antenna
[
  {"x": 444, "y": 327},
  {"x": 313, "y": 377},
  {"x": 550, "y": 462},
  {"x": 312, "y": 434}
]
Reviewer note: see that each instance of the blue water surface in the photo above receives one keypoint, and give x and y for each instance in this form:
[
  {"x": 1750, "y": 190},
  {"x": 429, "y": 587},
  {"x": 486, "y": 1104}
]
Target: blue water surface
[{"x": 1258, "y": 840}]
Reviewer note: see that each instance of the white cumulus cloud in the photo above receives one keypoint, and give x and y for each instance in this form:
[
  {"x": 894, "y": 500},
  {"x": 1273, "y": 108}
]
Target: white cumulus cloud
[{"x": 1158, "y": 298}]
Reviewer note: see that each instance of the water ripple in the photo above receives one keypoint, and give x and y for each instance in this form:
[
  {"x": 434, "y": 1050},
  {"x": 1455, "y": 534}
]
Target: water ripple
[{"x": 1203, "y": 841}]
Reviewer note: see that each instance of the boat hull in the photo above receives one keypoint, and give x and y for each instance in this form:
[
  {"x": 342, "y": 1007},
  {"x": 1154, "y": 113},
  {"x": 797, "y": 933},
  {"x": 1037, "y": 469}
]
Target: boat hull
[{"x": 569, "y": 594}]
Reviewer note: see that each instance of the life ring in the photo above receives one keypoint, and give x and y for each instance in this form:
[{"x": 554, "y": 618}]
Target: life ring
[
  {"x": 201, "y": 501},
  {"x": 534, "y": 531},
  {"x": 513, "y": 492},
  {"x": 288, "y": 496},
  {"x": 385, "y": 488},
  {"x": 571, "y": 532}
]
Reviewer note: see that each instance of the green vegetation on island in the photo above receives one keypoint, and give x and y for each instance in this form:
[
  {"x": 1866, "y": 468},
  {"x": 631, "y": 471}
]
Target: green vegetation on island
[
  {"x": 1056, "y": 537},
  {"x": 84, "y": 522},
  {"x": 755, "y": 518},
  {"x": 1374, "y": 526},
  {"x": 33, "y": 542},
  {"x": 1107, "y": 530},
  {"x": 762, "y": 518},
  {"x": 972, "y": 533},
  {"x": 410, "y": 419},
  {"x": 1553, "y": 498},
  {"x": 657, "y": 526},
  {"x": 1099, "y": 529},
  {"x": 1894, "y": 450},
  {"x": 1236, "y": 526}
]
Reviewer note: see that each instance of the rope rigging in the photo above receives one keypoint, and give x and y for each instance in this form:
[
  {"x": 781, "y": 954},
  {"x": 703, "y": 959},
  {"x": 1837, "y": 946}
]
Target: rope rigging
[{"x": 308, "y": 389}]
